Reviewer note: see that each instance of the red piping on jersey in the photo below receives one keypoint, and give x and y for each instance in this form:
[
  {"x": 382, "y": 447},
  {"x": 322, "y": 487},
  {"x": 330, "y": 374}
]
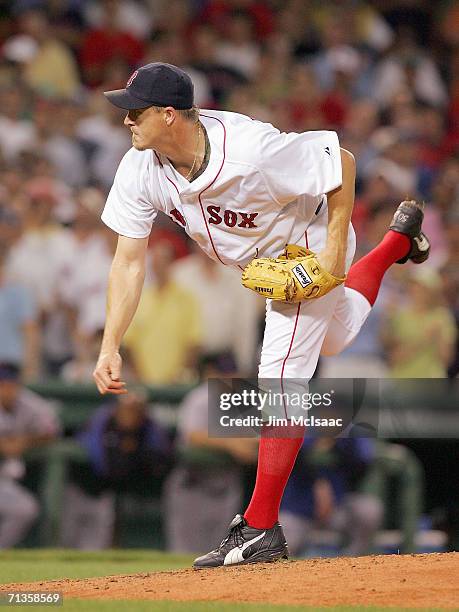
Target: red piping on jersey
[
  {"x": 170, "y": 180},
  {"x": 210, "y": 185},
  {"x": 291, "y": 341},
  {"x": 286, "y": 357}
]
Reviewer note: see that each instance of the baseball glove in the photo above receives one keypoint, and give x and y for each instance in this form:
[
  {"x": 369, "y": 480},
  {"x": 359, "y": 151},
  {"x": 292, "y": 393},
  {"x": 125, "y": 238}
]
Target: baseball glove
[{"x": 294, "y": 276}]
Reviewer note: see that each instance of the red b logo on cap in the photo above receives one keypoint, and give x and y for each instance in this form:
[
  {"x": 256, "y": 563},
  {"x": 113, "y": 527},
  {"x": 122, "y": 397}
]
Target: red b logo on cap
[{"x": 132, "y": 77}]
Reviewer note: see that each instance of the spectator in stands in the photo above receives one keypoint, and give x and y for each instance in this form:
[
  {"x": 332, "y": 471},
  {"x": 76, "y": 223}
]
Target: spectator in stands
[
  {"x": 63, "y": 146},
  {"x": 409, "y": 67},
  {"x": 104, "y": 139},
  {"x": 129, "y": 15},
  {"x": 207, "y": 482},
  {"x": 42, "y": 181},
  {"x": 51, "y": 70},
  {"x": 435, "y": 147},
  {"x": 336, "y": 50},
  {"x": 82, "y": 279},
  {"x": 219, "y": 12},
  {"x": 126, "y": 450},
  {"x": 79, "y": 369},
  {"x": 366, "y": 27},
  {"x": 175, "y": 16},
  {"x": 397, "y": 161},
  {"x": 243, "y": 99},
  {"x": 35, "y": 260},
  {"x": 238, "y": 50},
  {"x": 304, "y": 101},
  {"x": 224, "y": 305},
  {"x": 295, "y": 21},
  {"x": 420, "y": 335},
  {"x": 13, "y": 200},
  {"x": 19, "y": 331},
  {"x": 166, "y": 332},
  {"x": 222, "y": 79},
  {"x": 361, "y": 121},
  {"x": 17, "y": 133},
  {"x": 9, "y": 228},
  {"x": 272, "y": 80},
  {"x": 108, "y": 44},
  {"x": 322, "y": 493},
  {"x": 26, "y": 421},
  {"x": 445, "y": 191}
]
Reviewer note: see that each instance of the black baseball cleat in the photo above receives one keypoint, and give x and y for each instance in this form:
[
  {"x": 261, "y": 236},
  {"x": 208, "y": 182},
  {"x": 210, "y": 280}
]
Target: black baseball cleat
[
  {"x": 408, "y": 220},
  {"x": 244, "y": 544}
]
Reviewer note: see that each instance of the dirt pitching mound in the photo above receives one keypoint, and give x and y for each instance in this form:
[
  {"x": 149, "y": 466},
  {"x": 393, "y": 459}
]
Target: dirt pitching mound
[{"x": 422, "y": 581}]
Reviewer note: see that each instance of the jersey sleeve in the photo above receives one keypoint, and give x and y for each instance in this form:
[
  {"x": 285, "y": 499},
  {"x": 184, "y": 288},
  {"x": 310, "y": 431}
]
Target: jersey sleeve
[
  {"x": 129, "y": 209},
  {"x": 300, "y": 164}
]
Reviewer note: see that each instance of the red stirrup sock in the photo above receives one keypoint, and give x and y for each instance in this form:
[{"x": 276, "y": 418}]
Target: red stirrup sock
[
  {"x": 276, "y": 458},
  {"x": 366, "y": 275}
]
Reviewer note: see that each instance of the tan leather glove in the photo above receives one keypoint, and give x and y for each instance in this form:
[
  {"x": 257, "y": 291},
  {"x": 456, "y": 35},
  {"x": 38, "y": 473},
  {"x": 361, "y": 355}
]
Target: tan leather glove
[{"x": 294, "y": 276}]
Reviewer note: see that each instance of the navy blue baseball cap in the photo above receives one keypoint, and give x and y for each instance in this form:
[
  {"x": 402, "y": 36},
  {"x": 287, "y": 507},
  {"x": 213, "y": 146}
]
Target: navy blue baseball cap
[{"x": 155, "y": 84}]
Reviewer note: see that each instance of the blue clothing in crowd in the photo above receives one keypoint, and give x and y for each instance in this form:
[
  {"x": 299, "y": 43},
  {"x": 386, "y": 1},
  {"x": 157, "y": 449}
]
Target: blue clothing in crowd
[
  {"x": 104, "y": 442},
  {"x": 16, "y": 309},
  {"x": 347, "y": 462}
]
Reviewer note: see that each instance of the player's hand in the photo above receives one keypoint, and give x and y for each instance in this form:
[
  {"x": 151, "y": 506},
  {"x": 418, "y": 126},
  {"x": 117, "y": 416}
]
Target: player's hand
[
  {"x": 107, "y": 374},
  {"x": 333, "y": 260}
]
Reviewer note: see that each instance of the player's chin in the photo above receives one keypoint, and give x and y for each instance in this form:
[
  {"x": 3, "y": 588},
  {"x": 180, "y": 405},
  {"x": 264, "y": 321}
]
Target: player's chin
[{"x": 138, "y": 143}]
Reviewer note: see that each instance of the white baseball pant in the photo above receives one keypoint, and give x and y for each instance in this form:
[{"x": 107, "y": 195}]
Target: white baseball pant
[{"x": 296, "y": 334}]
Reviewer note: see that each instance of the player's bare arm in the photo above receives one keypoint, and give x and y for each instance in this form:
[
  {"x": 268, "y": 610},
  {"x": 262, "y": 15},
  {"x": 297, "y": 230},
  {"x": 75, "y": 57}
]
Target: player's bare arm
[
  {"x": 340, "y": 205},
  {"x": 126, "y": 279}
]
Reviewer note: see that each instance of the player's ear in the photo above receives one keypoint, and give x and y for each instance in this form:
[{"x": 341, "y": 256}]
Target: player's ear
[{"x": 169, "y": 115}]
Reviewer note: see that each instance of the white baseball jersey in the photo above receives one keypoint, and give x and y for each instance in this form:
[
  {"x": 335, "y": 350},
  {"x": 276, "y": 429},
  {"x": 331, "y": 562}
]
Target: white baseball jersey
[{"x": 260, "y": 190}]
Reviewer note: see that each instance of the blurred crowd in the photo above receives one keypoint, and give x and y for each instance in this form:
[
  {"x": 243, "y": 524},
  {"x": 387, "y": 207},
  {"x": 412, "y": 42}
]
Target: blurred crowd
[{"x": 385, "y": 75}]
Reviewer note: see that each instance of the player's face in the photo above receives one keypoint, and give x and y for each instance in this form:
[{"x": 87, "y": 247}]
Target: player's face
[{"x": 147, "y": 126}]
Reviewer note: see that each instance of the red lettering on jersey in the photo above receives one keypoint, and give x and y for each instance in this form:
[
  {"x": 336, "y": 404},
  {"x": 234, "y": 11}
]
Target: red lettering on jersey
[
  {"x": 177, "y": 215},
  {"x": 247, "y": 219},
  {"x": 214, "y": 216},
  {"x": 230, "y": 218}
]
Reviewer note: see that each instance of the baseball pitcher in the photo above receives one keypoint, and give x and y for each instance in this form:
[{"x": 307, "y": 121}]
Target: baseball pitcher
[{"x": 278, "y": 207}]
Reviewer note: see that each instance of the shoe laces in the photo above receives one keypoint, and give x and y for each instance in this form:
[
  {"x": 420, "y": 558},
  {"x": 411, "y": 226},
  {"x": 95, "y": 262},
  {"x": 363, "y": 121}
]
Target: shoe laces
[{"x": 236, "y": 533}]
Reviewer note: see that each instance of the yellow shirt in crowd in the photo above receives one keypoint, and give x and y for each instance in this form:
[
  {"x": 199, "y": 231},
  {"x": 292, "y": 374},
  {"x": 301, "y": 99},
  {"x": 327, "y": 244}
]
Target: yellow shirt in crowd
[
  {"x": 53, "y": 71},
  {"x": 418, "y": 336},
  {"x": 166, "y": 327}
]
